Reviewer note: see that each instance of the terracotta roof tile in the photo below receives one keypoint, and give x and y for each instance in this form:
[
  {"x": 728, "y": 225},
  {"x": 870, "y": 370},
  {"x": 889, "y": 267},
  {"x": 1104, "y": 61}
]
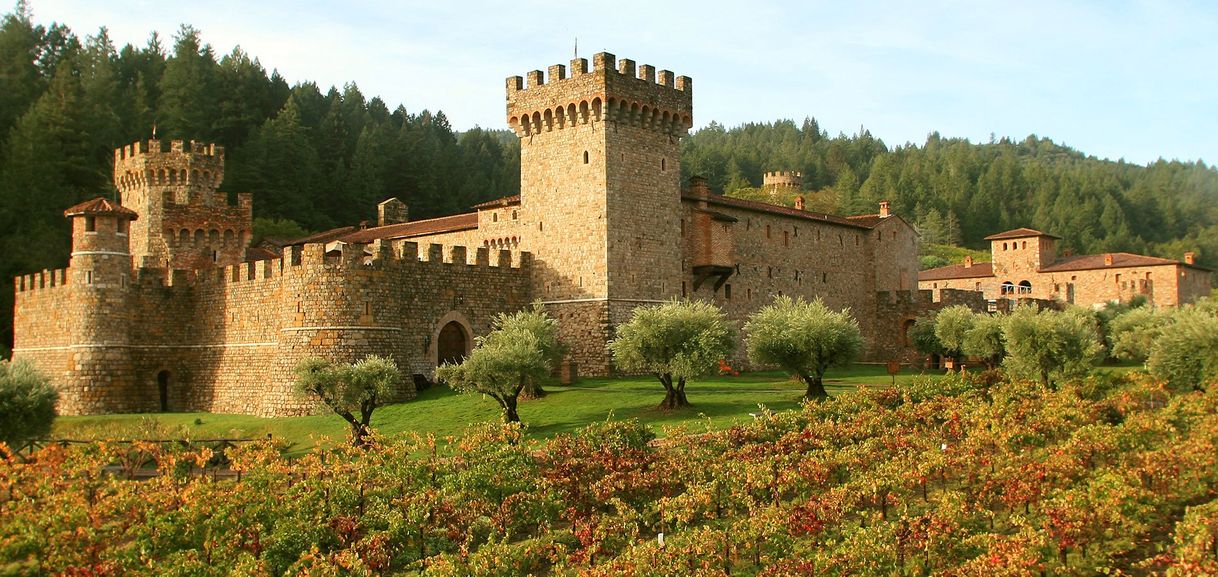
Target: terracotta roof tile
[
  {"x": 978, "y": 270},
  {"x": 256, "y": 253},
  {"x": 1119, "y": 260},
  {"x": 1018, "y": 233},
  {"x": 452, "y": 223},
  {"x": 505, "y": 201},
  {"x": 758, "y": 206},
  {"x": 100, "y": 205},
  {"x": 323, "y": 236}
]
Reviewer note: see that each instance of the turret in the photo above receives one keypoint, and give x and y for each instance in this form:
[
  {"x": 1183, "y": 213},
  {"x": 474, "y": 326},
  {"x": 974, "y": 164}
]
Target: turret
[
  {"x": 187, "y": 223},
  {"x": 100, "y": 372}
]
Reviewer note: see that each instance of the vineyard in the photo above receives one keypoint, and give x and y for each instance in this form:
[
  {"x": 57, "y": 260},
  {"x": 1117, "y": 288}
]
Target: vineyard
[{"x": 961, "y": 476}]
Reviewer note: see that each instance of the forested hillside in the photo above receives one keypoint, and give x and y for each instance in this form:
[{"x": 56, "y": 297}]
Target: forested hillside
[
  {"x": 958, "y": 192},
  {"x": 316, "y": 157}
]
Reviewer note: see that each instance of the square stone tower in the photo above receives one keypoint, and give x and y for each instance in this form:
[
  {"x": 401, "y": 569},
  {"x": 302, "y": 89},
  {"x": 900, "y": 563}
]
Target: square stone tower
[{"x": 600, "y": 191}]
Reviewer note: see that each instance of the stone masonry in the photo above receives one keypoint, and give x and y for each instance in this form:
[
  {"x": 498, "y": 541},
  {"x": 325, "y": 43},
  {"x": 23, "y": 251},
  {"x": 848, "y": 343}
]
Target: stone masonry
[{"x": 164, "y": 305}]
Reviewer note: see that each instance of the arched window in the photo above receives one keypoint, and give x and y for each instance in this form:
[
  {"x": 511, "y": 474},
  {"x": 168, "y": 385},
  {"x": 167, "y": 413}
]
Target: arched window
[
  {"x": 1008, "y": 288},
  {"x": 1025, "y": 287},
  {"x": 585, "y": 157}
]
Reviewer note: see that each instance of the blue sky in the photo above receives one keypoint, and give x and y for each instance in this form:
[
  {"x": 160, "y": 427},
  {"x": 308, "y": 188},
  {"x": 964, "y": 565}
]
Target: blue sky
[{"x": 1132, "y": 80}]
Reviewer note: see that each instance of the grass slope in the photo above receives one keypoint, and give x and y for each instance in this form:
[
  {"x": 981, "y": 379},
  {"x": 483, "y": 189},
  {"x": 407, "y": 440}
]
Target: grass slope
[{"x": 718, "y": 402}]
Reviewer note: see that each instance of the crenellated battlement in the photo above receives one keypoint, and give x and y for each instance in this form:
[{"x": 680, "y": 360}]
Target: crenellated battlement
[
  {"x": 783, "y": 179},
  {"x": 151, "y": 163},
  {"x": 609, "y": 91},
  {"x": 42, "y": 280}
]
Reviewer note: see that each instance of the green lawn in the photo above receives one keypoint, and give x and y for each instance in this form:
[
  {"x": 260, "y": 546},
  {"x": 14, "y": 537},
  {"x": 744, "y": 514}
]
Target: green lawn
[{"x": 718, "y": 402}]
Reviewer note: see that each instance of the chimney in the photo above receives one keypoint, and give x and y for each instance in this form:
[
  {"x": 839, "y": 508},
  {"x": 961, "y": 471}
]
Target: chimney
[
  {"x": 1190, "y": 257},
  {"x": 1108, "y": 259},
  {"x": 363, "y": 224},
  {"x": 698, "y": 187},
  {"x": 883, "y": 209},
  {"x": 968, "y": 261},
  {"x": 392, "y": 211},
  {"x": 799, "y": 203}
]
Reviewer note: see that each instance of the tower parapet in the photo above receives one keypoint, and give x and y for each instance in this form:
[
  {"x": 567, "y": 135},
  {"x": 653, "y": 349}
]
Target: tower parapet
[
  {"x": 186, "y": 221},
  {"x": 612, "y": 90},
  {"x": 782, "y": 179}
]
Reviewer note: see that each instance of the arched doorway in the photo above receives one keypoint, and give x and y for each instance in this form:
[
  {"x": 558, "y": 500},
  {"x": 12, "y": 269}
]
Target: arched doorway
[
  {"x": 162, "y": 386},
  {"x": 451, "y": 345}
]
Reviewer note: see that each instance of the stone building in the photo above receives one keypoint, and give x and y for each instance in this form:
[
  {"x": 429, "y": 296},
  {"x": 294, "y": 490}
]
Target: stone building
[
  {"x": 165, "y": 306},
  {"x": 1025, "y": 264}
]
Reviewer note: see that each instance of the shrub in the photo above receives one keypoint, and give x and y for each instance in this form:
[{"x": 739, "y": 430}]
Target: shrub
[{"x": 27, "y": 403}]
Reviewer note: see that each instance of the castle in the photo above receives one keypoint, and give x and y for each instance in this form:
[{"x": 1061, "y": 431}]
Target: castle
[
  {"x": 165, "y": 306},
  {"x": 1026, "y": 265}
]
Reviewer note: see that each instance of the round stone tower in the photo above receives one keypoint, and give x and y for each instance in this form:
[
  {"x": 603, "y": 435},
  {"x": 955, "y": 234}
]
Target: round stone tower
[
  {"x": 782, "y": 181},
  {"x": 100, "y": 376}
]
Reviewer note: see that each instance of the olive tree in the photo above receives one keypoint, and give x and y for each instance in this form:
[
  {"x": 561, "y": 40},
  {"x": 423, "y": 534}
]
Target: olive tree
[
  {"x": 984, "y": 340},
  {"x": 1133, "y": 333},
  {"x": 1185, "y": 352},
  {"x": 27, "y": 403},
  {"x": 803, "y": 339},
  {"x": 951, "y": 325},
  {"x": 519, "y": 351},
  {"x": 675, "y": 341},
  {"x": 348, "y": 389},
  {"x": 1049, "y": 345}
]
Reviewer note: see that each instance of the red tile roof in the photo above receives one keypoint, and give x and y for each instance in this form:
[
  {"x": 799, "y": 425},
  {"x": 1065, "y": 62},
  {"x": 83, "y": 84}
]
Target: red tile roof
[
  {"x": 757, "y": 206},
  {"x": 256, "y": 253},
  {"x": 867, "y": 220},
  {"x": 323, "y": 236},
  {"x": 1018, "y": 233},
  {"x": 1119, "y": 260},
  {"x": 452, "y": 223},
  {"x": 100, "y": 205},
  {"x": 978, "y": 270},
  {"x": 505, "y": 201}
]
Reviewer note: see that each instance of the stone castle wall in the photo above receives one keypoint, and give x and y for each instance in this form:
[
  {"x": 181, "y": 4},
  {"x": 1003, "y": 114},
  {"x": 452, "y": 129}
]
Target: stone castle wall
[
  {"x": 228, "y": 337},
  {"x": 1163, "y": 285}
]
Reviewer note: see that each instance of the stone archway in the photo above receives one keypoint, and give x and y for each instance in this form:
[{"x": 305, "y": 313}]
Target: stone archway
[
  {"x": 452, "y": 340},
  {"x": 451, "y": 344}
]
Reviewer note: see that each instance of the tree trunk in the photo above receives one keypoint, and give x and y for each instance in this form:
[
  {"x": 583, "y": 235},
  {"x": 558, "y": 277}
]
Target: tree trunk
[
  {"x": 509, "y": 409},
  {"x": 674, "y": 397},
  {"x": 531, "y": 390},
  {"x": 816, "y": 388}
]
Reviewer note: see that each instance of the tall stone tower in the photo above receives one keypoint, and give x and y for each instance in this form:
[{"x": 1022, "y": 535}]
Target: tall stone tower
[
  {"x": 99, "y": 374},
  {"x": 600, "y": 191},
  {"x": 185, "y": 222}
]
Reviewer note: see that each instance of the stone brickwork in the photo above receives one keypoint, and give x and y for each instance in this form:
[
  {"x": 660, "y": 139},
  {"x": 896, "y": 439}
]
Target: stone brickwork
[
  {"x": 185, "y": 222},
  {"x": 1025, "y": 265},
  {"x": 600, "y": 188},
  {"x": 159, "y": 311}
]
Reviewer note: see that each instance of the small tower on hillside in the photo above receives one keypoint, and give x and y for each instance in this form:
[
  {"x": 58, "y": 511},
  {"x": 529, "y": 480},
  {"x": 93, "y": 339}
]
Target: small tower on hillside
[
  {"x": 100, "y": 375},
  {"x": 186, "y": 222},
  {"x": 781, "y": 182}
]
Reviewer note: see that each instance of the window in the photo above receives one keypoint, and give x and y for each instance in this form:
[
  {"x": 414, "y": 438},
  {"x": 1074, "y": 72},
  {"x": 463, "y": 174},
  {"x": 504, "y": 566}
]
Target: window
[
  {"x": 122, "y": 228},
  {"x": 1025, "y": 245},
  {"x": 663, "y": 164},
  {"x": 1007, "y": 288},
  {"x": 727, "y": 291},
  {"x": 585, "y": 157},
  {"x": 785, "y": 240},
  {"x": 767, "y": 231},
  {"x": 90, "y": 224},
  {"x": 1025, "y": 287},
  {"x": 1004, "y": 246},
  {"x": 88, "y": 277},
  {"x": 494, "y": 217},
  {"x": 514, "y": 215}
]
